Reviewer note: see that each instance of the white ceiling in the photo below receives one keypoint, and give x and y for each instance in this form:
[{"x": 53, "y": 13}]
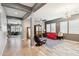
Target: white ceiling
[
  {"x": 14, "y": 12},
  {"x": 56, "y": 10},
  {"x": 28, "y": 4}
]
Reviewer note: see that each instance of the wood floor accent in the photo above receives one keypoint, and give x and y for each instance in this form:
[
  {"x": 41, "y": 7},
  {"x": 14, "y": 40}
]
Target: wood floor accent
[{"x": 67, "y": 48}]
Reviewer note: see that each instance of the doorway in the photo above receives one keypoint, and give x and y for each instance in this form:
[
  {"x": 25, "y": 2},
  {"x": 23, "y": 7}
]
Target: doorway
[
  {"x": 28, "y": 32},
  {"x": 38, "y": 30}
]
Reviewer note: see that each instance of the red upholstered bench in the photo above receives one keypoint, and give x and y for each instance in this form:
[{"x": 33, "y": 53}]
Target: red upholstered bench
[{"x": 52, "y": 35}]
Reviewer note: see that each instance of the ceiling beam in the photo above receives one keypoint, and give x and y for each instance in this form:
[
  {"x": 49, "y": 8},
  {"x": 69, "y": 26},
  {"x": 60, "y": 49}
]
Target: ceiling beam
[
  {"x": 9, "y": 17},
  {"x": 27, "y": 15},
  {"x": 37, "y": 6},
  {"x": 34, "y": 9},
  {"x": 17, "y": 6}
]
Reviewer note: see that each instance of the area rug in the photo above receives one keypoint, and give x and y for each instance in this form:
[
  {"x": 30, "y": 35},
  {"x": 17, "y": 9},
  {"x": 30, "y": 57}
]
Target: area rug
[{"x": 52, "y": 43}]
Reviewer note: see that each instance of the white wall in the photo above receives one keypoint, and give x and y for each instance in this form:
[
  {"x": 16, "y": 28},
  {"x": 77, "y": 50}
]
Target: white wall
[
  {"x": 35, "y": 21},
  {"x": 3, "y": 31},
  {"x": 26, "y": 24},
  {"x": 38, "y": 20}
]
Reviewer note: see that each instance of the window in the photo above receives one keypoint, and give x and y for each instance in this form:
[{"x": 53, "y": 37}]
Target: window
[
  {"x": 37, "y": 28},
  {"x": 48, "y": 27},
  {"x": 17, "y": 28},
  {"x": 53, "y": 27},
  {"x": 74, "y": 27},
  {"x": 63, "y": 27},
  {"x": 12, "y": 28},
  {"x": 20, "y": 28}
]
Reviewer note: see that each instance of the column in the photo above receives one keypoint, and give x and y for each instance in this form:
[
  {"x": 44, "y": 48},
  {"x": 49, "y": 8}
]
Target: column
[{"x": 32, "y": 30}]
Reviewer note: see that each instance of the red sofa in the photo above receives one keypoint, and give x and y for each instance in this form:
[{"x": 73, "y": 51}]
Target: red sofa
[{"x": 52, "y": 35}]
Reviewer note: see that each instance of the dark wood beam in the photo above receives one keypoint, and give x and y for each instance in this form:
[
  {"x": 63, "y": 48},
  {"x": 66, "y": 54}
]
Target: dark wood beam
[
  {"x": 14, "y": 17},
  {"x": 27, "y": 15}
]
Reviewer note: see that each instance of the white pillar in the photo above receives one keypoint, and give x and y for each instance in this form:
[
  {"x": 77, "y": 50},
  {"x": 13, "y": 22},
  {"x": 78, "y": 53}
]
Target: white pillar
[
  {"x": 32, "y": 29},
  {"x": 22, "y": 31}
]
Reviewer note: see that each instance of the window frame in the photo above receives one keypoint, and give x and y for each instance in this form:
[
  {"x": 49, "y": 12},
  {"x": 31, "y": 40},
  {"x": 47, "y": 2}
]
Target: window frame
[
  {"x": 72, "y": 25},
  {"x": 66, "y": 26},
  {"x": 51, "y": 27}
]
